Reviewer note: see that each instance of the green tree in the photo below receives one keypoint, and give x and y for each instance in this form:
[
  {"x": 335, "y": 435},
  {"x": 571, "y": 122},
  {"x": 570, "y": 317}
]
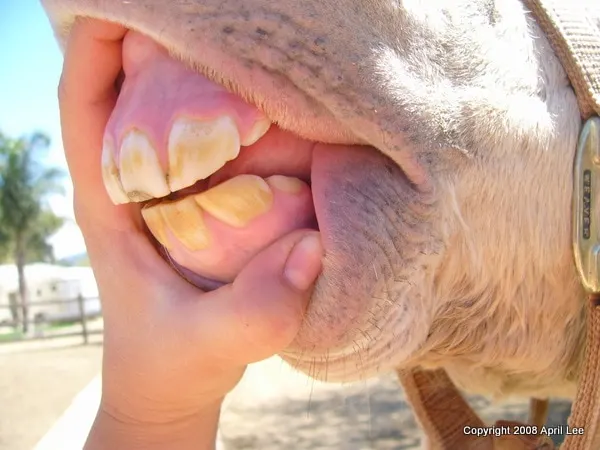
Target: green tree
[{"x": 26, "y": 220}]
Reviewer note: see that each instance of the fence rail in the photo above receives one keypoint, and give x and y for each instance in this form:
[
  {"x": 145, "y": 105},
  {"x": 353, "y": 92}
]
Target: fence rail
[{"x": 42, "y": 321}]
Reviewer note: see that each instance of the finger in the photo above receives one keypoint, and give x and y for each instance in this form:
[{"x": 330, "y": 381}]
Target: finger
[
  {"x": 260, "y": 313},
  {"x": 87, "y": 96}
]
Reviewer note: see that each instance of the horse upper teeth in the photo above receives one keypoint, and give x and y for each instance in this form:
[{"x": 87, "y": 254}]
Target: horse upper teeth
[
  {"x": 259, "y": 129},
  {"x": 197, "y": 149},
  {"x": 110, "y": 175},
  {"x": 141, "y": 174}
]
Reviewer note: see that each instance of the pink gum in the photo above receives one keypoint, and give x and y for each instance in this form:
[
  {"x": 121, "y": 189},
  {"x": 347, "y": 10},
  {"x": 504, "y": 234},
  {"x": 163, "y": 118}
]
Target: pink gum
[{"x": 158, "y": 89}]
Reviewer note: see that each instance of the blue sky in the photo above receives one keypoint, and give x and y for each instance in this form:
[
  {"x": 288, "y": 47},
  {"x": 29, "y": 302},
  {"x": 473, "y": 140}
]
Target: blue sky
[{"x": 30, "y": 68}]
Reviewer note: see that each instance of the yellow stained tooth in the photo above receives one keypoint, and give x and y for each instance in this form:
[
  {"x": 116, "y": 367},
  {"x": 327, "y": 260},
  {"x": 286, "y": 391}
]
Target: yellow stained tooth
[
  {"x": 156, "y": 223},
  {"x": 197, "y": 149},
  {"x": 141, "y": 174},
  {"x": 110, "y": 175},
  {"x": 259, "y": 129},
  {"x": 185, "y": 221},
  {"x": 237, "y": 201},
  {"x": 289, "y": 185}
]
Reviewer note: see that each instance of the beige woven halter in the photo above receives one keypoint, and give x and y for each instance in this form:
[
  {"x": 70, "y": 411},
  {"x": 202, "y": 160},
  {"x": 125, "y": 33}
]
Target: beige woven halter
[{"x": 573, "y": 28}]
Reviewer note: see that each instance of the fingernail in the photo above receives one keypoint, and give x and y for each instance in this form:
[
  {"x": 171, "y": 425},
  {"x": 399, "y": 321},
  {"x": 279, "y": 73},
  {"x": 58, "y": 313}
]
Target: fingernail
[{"x": 304, "y": 262}]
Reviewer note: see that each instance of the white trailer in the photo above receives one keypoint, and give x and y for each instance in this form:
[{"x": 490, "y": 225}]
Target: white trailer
[{"x": 49, "y": 283}]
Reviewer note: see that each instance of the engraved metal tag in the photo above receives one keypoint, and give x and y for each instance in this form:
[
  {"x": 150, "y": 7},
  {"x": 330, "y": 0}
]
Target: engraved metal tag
[{"x": 586, "y": 212}]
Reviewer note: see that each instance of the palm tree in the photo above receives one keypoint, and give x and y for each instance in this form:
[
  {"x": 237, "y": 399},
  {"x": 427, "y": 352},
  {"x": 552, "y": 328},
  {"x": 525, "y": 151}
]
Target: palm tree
[{"x": 26, "y": 220}]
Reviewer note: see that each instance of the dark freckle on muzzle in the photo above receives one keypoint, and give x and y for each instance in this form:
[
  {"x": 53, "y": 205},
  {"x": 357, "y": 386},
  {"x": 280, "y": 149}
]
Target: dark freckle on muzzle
[{"x": 262, "y": 33}]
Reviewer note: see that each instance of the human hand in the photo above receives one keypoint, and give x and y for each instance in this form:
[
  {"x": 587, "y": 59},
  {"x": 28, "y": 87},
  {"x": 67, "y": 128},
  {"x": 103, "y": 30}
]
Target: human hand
[{"x": 171, "y": 351}]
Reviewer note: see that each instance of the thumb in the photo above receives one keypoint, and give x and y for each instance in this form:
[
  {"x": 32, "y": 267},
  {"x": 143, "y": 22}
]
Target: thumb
[{"x": 264, "y": 307}]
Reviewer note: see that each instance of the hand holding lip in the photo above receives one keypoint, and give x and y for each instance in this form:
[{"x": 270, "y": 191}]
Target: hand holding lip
[{"x": 170, "y": 349}]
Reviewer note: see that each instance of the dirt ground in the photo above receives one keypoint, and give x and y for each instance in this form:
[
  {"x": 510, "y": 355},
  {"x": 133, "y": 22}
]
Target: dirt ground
[
  {"x": 272, "y": 408},
  {"x": 37, "y": 383}
]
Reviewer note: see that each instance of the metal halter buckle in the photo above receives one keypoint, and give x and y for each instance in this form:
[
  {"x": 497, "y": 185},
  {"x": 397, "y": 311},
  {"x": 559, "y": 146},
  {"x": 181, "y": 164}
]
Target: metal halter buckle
[{"x": 586, "y": 206}]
